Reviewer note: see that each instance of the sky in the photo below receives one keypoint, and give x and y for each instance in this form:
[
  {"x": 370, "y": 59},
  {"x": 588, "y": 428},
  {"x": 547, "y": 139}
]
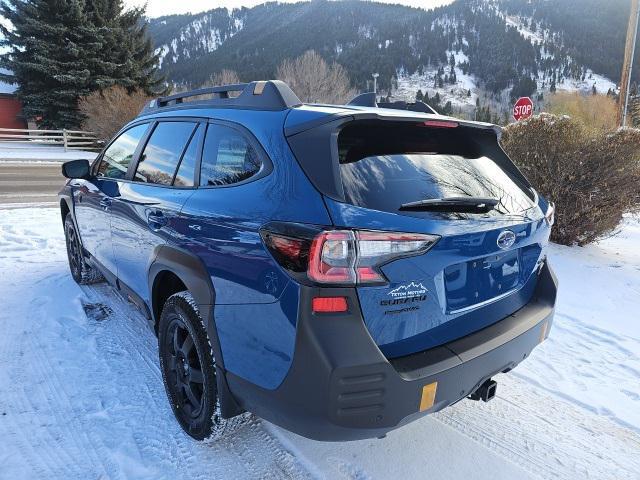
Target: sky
[{"x": 158, "y": 8}]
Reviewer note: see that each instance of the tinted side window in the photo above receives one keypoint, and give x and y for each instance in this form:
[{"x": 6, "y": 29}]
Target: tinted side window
[
  {"x": 118, "y": 156},
  {"x": 186, "y": 171},
  {"x": 160, "y": 157},
  {"x": 227, "y": 157}
]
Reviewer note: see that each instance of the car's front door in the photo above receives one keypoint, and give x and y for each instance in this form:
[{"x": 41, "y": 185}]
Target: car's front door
[
  {"x": 93, "y": 197},
  {"x": 146, "y": 212}
]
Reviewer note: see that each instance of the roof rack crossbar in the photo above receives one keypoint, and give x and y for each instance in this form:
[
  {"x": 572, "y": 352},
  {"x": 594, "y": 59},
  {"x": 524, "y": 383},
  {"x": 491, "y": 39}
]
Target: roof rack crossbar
[
  {"x": 262, "y": 95},
  {"x": 221, "y": 91}
]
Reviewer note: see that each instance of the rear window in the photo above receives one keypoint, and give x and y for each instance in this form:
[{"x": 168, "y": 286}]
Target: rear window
[{"x": 384, "y": 165}]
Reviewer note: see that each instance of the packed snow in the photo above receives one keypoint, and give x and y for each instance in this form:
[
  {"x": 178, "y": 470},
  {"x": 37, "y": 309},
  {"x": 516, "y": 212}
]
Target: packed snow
[{"x": 82, "y": 394}]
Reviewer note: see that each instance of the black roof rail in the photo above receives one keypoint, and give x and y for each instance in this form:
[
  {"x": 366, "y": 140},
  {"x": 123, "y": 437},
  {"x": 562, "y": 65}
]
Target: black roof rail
[
  {"x": 260, "y": 95},
  {"x": 368, "y": 99}
]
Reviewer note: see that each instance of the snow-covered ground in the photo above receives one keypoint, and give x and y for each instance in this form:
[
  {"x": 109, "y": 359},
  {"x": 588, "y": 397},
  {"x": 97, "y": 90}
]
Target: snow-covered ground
[
  {"x": 32, "y": 152},
  {"x": 81, "y": 394}
]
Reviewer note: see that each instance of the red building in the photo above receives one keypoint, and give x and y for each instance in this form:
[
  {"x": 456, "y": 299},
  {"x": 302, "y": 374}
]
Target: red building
[{"x": 10, "y": 107}]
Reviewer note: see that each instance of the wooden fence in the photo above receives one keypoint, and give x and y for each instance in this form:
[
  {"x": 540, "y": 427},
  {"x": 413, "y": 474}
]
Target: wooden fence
[{"x": 68, "y": 139}]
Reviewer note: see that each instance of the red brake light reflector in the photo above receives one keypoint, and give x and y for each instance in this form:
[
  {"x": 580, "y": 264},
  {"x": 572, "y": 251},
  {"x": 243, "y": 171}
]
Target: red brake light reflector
[{"x": 329, "y": 304}]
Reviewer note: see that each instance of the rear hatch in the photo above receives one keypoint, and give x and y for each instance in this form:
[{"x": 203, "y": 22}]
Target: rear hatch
[{"x": 440, "y": 178}]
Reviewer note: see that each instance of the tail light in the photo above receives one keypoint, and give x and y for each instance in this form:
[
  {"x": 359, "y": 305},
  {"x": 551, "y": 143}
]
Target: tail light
[{"x": 342, "y": 257}]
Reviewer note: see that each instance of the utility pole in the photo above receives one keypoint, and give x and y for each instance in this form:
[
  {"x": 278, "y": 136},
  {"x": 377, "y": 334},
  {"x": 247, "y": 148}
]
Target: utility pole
[
  {"x": 629, "y": 52},
  {"x": 375, "y": 82}
]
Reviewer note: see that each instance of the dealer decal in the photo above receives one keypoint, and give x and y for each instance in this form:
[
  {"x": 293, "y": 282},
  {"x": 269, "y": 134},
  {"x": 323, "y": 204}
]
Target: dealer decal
[{"x": 410, "y": 293}]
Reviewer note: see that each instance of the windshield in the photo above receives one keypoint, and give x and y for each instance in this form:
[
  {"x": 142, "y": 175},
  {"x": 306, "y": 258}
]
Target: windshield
[{"x": 423, "y": 164}]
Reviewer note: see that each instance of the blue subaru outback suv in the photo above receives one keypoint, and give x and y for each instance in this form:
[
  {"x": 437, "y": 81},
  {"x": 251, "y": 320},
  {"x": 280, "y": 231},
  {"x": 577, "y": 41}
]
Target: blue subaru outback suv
[{"x": 337, "y": 270}]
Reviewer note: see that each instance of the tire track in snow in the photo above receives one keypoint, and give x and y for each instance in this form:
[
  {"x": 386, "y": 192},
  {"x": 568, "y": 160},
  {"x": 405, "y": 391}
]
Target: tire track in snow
[
  {"x": 522, "y": 424},
  {"x": 86, "y": 398}
]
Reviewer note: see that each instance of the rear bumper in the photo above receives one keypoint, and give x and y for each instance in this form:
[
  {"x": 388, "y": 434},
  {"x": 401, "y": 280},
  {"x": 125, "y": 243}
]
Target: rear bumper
[{"x": 341, "y": 387}]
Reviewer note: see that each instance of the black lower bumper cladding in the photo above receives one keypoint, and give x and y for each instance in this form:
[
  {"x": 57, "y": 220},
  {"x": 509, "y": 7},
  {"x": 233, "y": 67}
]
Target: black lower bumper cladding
[{"x": 341, "y": 387}]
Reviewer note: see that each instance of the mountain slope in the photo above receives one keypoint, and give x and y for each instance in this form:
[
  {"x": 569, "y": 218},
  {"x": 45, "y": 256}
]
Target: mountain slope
[{"x": 524, "y": 45}]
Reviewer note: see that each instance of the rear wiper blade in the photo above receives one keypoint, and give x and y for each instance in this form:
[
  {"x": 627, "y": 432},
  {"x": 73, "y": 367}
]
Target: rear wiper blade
[{"x": 453, "y": 204}]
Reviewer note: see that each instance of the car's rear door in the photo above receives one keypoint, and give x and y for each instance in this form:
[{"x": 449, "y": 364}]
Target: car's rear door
[
  {"x": 146, "y": 213},
  {"x": 93, "y": 197}
]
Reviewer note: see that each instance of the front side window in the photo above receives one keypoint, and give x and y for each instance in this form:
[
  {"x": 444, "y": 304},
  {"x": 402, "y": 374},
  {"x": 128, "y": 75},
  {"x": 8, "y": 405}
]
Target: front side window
[
  {"x": 227, "y": 157},
  {"x": 159, "y": 160},
  {"x": 118, "y": 155}
]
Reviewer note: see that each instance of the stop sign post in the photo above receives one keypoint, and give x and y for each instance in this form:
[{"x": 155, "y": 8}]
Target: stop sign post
[{"x": 523, "y": 109}]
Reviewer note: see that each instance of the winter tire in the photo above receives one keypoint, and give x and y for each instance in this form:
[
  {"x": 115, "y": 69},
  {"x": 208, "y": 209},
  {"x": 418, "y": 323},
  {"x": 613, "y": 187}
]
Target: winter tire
[
  {"x": 81, "y": 272},
  {"x": 188, "y": 370}
]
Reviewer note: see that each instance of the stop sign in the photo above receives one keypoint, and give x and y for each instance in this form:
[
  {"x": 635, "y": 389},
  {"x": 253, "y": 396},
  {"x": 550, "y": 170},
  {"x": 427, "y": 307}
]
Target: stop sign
[{"x": 523, "y": 108}]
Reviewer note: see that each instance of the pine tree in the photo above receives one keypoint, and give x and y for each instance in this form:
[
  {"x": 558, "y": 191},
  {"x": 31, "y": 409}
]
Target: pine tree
[
  {"x": 128, "y": 57},
  {"x": 47, "y": 58},
  {"x": 61, "y": 50},
  {"x": 419, "y": 96}
]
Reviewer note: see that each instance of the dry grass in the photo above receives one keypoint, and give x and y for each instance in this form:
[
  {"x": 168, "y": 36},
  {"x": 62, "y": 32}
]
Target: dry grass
[
  {"x": 107, "y": 111},
  {"x": 593, "y": 178},
  {"x": 597, "y": 113}
]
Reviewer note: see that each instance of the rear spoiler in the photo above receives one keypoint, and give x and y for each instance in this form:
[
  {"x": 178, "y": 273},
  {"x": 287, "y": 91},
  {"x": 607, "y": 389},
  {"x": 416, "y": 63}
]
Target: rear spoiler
[
  {"x": 369, "y": 100},
  {"x": 379, "y": 113}
]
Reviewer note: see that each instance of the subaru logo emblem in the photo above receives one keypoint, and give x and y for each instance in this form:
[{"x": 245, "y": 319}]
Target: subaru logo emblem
[{"x": 506, "y": 239}]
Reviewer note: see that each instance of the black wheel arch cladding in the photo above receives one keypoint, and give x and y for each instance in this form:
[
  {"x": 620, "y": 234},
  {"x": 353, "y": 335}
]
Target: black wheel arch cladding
[{"x": 193, "y": 274}]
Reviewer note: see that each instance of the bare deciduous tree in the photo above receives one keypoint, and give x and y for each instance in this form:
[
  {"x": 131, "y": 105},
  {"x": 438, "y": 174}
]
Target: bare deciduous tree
[
  {"x": 108, "y": 110},
  {"x": 314, "y": 81},
  {"x": 224, "y": 77}
]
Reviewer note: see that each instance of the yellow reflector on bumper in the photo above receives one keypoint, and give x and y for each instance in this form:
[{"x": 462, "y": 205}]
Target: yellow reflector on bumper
[{"x": 428, "y": 396}]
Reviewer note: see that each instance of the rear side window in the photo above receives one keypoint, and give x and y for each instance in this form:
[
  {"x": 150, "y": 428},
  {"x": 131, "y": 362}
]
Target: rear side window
[
  {"x": 186, "y": 172},
  {"x": 227, "y": 157},
  {"x": 159, "y": 160},
  {"x": 118, "y": 155},
  {"x": 383, "y": 167}
]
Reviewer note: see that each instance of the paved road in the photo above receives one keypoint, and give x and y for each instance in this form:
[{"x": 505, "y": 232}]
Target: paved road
[{"x": 28, "y": 184}]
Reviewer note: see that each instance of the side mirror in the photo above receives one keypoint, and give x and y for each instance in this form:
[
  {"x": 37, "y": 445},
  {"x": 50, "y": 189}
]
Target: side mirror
[{"x": 76, "y": 169}]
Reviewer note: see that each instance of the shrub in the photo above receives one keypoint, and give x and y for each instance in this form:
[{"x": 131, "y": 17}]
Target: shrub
[
  {"x": 592, "y": 178},
  {"x": 108, "y": 110},
  {"x": 597, "y": 113}
]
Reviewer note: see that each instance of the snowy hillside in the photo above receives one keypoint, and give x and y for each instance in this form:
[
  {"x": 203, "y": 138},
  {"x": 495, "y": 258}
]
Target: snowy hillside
[
  {"x": 202, "y": 35},
  {"x": 82, "y": 393},
  {"x": 468, "y": 87},
  {"x": 502, "y": 49}
]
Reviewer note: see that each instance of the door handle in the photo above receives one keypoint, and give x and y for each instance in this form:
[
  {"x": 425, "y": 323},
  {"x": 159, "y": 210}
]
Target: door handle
[
  {"x": 156, "y": 220},
  {"x": 105, "y": 203}
]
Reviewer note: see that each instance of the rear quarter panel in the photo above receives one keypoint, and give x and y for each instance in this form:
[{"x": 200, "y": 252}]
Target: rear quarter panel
[{"x": 255, "y": 301}]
